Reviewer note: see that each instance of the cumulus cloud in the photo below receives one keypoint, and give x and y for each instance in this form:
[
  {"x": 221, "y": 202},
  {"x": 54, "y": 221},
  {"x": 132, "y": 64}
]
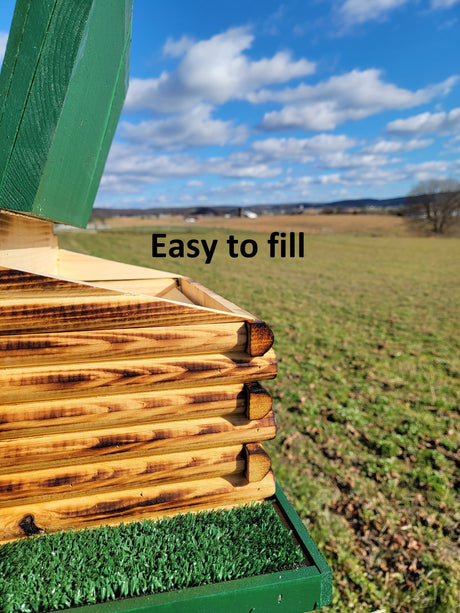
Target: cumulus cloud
[
  {"x": 356, "y": 12},
  {"x": 242, "y": 165},
  {"x": 426, "y": 123},
  {"x": 427, "y": 170},
  {"x": 387, "y": 147},
  {"x": 352, "y": 96},
  {"x": 177, "y": 48},
  {"x": 132, "y": 167},
  {"x": 214, "y": 71},
  {"x": 360, "y": 11},
  {"x": 194, "y": 128},
  {"x": 301, "y": 149},
  {"x": 341, "y": 159},
  {"x": 3, "y": 41}
]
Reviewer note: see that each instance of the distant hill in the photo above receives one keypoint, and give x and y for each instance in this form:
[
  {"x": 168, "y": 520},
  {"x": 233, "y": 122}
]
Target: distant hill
[{"x": 337, "y": 206}]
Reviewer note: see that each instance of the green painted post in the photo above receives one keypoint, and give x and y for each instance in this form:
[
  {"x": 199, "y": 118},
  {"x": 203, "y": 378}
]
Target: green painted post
[{"x": 62, "y": 88}]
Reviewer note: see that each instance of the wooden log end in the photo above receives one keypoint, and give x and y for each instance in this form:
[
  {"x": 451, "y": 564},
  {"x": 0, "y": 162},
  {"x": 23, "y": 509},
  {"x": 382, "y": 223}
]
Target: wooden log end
[
  {"x": 260, "y": 338},
  {"x": 258, "y": 462},
  {"x": 258, "y": 401}
]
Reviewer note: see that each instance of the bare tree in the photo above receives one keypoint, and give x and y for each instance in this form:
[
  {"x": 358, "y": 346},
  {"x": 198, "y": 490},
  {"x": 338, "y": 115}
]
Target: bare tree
[{"x": 436, "y": 203}]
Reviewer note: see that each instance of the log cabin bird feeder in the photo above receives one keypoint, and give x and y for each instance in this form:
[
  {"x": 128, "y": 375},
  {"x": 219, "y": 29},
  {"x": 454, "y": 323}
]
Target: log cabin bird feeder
[{"x": 125, "y": 392}]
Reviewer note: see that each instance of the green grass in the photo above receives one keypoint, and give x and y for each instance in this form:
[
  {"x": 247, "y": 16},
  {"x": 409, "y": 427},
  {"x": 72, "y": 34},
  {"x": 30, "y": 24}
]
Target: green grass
[
  {"x": 56, "y": 571},
  {"x": 367, "y": 399}
]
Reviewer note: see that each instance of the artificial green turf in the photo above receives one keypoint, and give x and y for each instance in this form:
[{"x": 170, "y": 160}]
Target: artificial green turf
[{"x": 55, "y": 571}]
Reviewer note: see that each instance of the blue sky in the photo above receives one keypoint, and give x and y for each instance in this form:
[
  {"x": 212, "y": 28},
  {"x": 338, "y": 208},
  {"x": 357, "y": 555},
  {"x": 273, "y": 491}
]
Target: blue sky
[{"x": 261, "y": 101}]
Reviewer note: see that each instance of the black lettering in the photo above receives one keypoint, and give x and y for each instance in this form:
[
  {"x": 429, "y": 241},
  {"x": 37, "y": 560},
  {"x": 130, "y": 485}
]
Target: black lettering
[{"x": 156, "y": 245}]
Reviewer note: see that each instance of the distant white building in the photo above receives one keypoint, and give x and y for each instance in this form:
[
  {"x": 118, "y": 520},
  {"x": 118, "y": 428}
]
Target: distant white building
[{"x": 250, "y": 214}]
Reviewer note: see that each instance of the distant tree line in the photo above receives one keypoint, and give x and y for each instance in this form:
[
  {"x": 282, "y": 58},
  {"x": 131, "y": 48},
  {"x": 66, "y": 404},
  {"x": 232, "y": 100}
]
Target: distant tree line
[{"x": 435, "y": 204}]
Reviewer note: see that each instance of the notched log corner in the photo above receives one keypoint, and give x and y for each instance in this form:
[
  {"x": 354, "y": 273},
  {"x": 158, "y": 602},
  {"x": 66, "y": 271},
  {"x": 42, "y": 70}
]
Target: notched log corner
[
  {"x": 27, "y": 525},
  {"x": 258, "y": 401},
  {"x": 258, "y": 462},
  {"x": 260, "y": 338}
]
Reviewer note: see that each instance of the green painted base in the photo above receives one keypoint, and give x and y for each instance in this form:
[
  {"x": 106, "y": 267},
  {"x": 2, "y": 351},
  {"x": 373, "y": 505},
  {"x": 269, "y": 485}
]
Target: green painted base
[{"x": 293, "y": 591}]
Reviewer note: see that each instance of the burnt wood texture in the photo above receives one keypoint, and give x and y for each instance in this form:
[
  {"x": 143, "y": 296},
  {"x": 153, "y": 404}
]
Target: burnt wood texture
[
  {"x": 125, "y": 393},
  {"x": 117, "y": 406}
]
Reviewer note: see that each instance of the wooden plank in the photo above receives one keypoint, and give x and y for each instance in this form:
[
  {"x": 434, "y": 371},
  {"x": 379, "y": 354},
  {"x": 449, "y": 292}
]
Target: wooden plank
[
  {"x": 90, "y": 268},
  {"x": 207, "y": 298},
  {"x": 93, "y": 378},
  {"x": 21, "y": 232},
  {"x": 133, "y": 441},
  {"x": 149, "y": 287},
  {"x": 70, "y": 481},
  {"x": 19, "y": 67},
  {"x": 27, "y": 243},
  {"x": 130, "y": 505},
  {"x": 73, "y": 86},
  {"x": 257, "y": 462},
  {"x": 66, "y": 347},
  {"x": 117, "y": 310},
  {"x": 40, "y": 259},
  {"x": 24, "y": 284},
  {"x": 178, "y": 296},
  {"x": 22, "y": 419}
]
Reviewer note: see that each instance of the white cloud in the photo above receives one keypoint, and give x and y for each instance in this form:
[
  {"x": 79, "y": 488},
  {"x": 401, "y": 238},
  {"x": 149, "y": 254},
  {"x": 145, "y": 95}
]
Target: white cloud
[
  {"x": 387, "y": 147},
  {"x": 194, "y": 128},
  {"x": 131, "y": 168},
  {"x": 352, "y": 96},
  {"x": 3, "y": 41},
  {"x": 366, "y": 176},
  {"x": 427, "y": 170},
  {"x": 241, "y": 165},
  {"x": 360, "y": 11},
  {"x": 177, "y": 48},
  {"x": 214, "y": 71},
  {"x": 301, "y": 149},
  {"x": 341, "y": 159},
  {"x": 426, "y": 123}
]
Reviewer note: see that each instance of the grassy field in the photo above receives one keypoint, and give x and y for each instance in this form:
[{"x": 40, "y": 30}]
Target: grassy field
[{"x": 367, "y": 397}]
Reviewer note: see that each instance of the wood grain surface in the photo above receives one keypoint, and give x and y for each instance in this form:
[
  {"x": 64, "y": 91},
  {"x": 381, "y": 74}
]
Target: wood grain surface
[
  {"x": 88, "y": 346},
  {"x": 94, "y": 378},
  {"x": 103, "y": 476},
  {"x": 22, "y": 419},
  {"x": 111, "y": 508},
  {"x": 132, "y": 441}
]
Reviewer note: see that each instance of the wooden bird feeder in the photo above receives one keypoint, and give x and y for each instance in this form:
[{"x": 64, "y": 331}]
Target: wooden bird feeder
[{"x": 125, "y": 392}]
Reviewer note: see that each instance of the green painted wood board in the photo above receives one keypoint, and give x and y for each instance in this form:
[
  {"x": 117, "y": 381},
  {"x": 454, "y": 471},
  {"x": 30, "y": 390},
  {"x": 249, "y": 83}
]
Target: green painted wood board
[{"x": 62, "y": 88}]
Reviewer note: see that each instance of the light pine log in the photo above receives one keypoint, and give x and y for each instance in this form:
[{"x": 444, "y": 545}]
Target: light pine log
[
  {"x": 19, "y": 420},
  {"x": 66, "y": 347},
  {"x": 104, "y": 476},
  {"x": 133, "y": 441},
  {"x": 94, "y": 378},
  {"x": 117, "y": 310},
  {"x": 130, "y": 505}
]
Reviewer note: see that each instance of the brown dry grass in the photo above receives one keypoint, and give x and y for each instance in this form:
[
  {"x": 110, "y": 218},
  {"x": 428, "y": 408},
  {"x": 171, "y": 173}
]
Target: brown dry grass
[{"x": 368, "y": 225}]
